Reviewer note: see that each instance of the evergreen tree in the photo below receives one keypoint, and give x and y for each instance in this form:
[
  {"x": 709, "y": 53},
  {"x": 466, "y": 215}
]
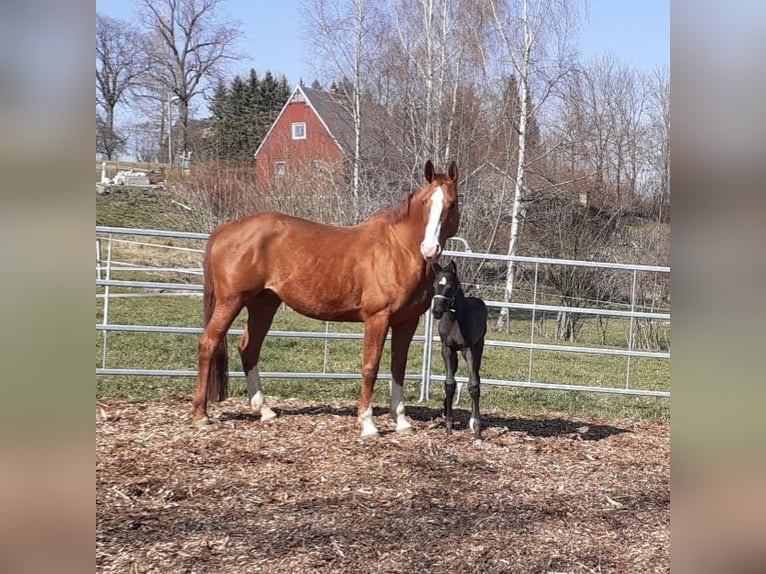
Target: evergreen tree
[
  {"x": 243, "y": 112},
  {"x": 217, "y": 143},
  {"x": 238, "y": 104}
]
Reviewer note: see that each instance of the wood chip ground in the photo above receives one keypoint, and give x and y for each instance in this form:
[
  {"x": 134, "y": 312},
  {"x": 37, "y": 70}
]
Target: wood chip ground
[{"x": 303, "y": 493}]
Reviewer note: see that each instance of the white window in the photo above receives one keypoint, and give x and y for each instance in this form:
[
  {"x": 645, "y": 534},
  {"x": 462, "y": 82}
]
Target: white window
[
  {"x": 280, "y": 167},
  {"x": 299, "y": 131}
]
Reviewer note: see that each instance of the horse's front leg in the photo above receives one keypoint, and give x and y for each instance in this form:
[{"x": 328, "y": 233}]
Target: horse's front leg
[
  {"x": 450, "y": 365},
  {"x": 401, "y": 337},
  {"x": 375, "y": 330},
  {"x": 473, "y": 359}
]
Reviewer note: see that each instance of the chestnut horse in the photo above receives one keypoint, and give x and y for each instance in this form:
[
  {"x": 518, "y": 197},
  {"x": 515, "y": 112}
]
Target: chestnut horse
[{"x": 377, "y": 272}]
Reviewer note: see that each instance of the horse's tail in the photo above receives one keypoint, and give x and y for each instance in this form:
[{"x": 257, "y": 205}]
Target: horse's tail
[{"x": 218, "y": 372}]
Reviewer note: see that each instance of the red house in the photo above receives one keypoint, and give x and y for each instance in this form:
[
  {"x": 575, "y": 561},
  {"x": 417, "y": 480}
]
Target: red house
[
  {"x": 313, "y": 133},
  {"x": 313, "y": 136}
]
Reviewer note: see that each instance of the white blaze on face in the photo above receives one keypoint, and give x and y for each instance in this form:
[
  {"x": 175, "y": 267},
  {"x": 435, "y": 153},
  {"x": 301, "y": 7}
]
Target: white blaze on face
[{"x": 430, "y": 247}]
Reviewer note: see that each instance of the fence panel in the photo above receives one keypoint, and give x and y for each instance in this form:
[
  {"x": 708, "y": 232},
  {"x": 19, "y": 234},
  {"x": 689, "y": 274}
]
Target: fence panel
[{"x": 129, "y": 260}]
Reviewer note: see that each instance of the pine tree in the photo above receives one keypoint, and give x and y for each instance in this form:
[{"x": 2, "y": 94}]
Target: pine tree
[
  {"x": 238, "y": 98},
  {"x": 218, "y": 144},
  {"x": 243, "y": 113},
  {"x": 253, "y": 125}
]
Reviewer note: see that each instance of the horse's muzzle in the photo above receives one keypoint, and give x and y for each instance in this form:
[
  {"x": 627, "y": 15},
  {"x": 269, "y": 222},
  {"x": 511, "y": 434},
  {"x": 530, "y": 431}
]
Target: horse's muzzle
[{"x": 431, "y": 252}]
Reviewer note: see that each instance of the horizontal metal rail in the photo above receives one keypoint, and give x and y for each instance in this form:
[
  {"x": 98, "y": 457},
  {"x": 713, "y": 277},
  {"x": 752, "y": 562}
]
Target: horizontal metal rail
[
  {"x": 360, "y": 336},
  {"x": 235, "y": 332},
  {"x": 151, "y": 232},
  {"x": 241, "y": 374},
  {"x": 581, "y": 310},
  {"x": 559, "y": 387},
  {"x": 150, "y": 285},
  {"x": 549, "y": 261},
  {"x": 465, "y": 254},
  {"x": 499, "y": 304}
]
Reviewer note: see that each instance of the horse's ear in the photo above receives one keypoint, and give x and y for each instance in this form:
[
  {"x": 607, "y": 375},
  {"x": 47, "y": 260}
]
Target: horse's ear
[
  {"x": 452, "y": 171},
  {"x": 437, "y": 268},
  {"x": 429, "y": 171},
  {"x": 452, "y": 268}
]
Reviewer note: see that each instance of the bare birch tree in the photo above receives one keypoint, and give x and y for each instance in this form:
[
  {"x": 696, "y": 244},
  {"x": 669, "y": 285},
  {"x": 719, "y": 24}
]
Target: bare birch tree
[
  {"x": 437, "y": 42},
  {"x": 534, "y": 42},
  {"x": 341, "y": 35},
  {"x": 660, "y": 140}
]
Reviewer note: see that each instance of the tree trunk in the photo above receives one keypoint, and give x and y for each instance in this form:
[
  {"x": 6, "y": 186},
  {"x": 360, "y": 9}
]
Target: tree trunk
[
  {"x": 109, "y": 140},
  {"x": 503, "y": 321}
]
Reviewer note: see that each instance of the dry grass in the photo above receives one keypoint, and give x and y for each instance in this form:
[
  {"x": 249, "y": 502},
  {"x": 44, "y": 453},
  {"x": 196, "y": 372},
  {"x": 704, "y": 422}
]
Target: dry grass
[{"x": 303, "y": 493}]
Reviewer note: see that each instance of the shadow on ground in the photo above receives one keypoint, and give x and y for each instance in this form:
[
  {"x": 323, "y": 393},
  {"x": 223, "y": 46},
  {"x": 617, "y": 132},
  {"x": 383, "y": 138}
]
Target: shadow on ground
[{"x": 536, "y": 427}]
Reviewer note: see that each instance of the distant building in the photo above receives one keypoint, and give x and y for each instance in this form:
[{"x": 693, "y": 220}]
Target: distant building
[{"x": 314, "y": 133}]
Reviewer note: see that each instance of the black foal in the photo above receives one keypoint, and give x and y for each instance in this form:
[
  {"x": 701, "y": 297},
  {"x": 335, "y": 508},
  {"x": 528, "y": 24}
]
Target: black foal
[{"x": 462, "y": 326}]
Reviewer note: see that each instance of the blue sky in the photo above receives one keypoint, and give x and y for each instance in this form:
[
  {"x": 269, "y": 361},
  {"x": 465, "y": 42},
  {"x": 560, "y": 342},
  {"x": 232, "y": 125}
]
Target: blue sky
[{"x": 637, "y": 31}]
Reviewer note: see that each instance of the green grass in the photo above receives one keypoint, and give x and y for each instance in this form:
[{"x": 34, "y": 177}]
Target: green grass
[
  {"x": 140, "y": 350},
  {"x": 139, "y": 208}
]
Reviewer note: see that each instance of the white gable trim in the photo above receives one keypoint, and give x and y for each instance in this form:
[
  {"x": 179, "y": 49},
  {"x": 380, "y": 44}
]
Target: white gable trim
[{"x": 282, "y": 111}]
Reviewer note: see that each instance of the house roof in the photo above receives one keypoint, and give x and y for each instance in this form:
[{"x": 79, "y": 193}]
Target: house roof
[
  {"x": 334, "y": 114},
  {"x": 336, "y": 117}
]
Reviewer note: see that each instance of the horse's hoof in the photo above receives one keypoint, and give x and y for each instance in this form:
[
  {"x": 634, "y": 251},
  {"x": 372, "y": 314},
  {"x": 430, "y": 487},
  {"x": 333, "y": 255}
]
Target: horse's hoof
[
  {"x": 267, "y": 414},
  {"x": 203, "y": 422},
  {"x": 405, "y": 429},
  {"x": 370, "y": 433}
]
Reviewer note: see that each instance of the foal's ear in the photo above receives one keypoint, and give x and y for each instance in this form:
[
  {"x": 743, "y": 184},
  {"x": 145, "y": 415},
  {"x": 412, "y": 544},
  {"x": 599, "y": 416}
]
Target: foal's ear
[
  {"x": 452, "y": 172},
  {"x": 452, "y": 268},
  {"x": 429, "y": 171},
  {"x": 437, "y": 268}
]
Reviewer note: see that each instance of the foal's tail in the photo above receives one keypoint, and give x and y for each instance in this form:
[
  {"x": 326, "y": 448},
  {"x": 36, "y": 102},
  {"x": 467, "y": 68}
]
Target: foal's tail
[{"x": 218, "y": 373}]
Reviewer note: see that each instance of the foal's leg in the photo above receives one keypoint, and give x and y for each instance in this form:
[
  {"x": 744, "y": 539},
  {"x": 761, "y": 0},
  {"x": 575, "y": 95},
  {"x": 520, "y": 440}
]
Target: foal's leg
[
  {"x": 260, "y": 314},
  {"x": 375, "y": 329},
  {"x": 223, "y": 315},
  {"x": 472, "y": 356},
  {"x": 450, "y": 363},
  {"x": 401, "y": 337}
]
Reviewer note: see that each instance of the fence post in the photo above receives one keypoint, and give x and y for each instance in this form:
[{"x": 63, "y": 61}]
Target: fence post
[
  {"x": 326, "y": 343},
  {"x": 532, "y": 327},
  {"x": 425, "y": 385},
  {"x": 630, "y": 330},
  {"x": 105, "y": 320},
  {"x": 98, "y": 258}
]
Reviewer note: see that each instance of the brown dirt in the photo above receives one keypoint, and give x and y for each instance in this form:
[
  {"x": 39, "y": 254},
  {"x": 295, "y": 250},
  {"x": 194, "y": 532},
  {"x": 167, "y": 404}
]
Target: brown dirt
[{"x": 303, "y": 493}]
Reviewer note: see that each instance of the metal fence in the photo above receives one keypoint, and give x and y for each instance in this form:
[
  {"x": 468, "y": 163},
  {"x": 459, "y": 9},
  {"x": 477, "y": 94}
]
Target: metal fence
[{"x": 185, "y": 271}]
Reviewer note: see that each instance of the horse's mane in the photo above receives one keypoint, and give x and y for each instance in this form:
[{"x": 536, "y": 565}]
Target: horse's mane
[
  {"x": 397, "y": 213},
  {"x": 401, "y": 210}
]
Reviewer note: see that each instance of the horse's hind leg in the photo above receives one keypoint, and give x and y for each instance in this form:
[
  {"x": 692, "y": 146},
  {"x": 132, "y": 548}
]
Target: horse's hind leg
[
  {"x": 223, "y": 315},
  {"x": 473, "y": 359},
  {"x": 260, "y": 314}
]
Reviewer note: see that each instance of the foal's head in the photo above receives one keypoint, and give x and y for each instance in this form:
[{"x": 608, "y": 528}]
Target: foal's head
[
  {"x": 447, "y": 286},
  {"x": 440, "y": 210}
]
